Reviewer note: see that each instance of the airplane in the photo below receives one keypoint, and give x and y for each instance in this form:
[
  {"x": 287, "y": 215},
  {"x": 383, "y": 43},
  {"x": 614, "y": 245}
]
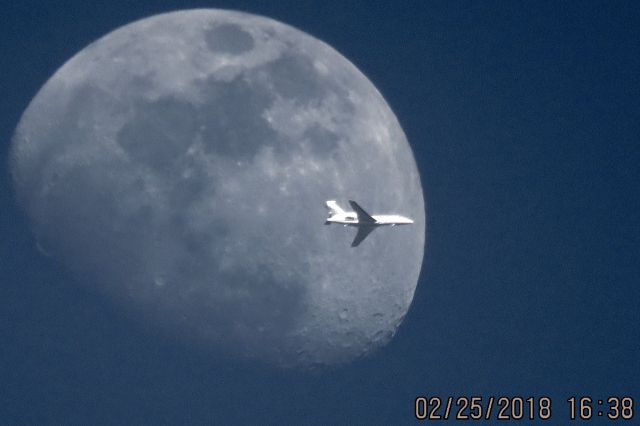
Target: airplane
[{"x": 365, "y": 222}]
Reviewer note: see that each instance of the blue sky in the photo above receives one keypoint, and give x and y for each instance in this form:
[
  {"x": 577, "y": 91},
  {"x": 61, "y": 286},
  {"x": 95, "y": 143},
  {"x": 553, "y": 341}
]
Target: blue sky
[{"x": 525, "y": 123}]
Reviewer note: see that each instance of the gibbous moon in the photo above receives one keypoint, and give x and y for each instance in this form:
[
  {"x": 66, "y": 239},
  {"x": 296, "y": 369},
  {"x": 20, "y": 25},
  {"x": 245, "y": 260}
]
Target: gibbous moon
[{"x": 180, "y": 165}]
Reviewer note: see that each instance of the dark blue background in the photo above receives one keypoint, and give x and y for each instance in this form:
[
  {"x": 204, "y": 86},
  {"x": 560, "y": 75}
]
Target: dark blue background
[{"x": 525, "y": 122}]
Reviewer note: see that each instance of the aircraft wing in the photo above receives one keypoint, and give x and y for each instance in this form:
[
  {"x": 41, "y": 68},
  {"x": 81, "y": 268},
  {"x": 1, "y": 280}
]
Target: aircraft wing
[
  {"x": 363, "y": 231},
  {"x": 363, "y": 217}
]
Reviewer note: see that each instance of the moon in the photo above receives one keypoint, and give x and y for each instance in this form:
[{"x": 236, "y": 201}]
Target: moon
[{"x": 179, "y": 166}]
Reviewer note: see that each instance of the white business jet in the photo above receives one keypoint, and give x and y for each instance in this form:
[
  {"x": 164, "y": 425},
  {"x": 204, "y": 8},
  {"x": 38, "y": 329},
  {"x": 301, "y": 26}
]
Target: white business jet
[{"x": 365, "y": 222}]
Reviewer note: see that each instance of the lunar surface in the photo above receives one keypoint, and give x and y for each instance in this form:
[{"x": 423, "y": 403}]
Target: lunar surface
[{"x": 180, "y": 166}]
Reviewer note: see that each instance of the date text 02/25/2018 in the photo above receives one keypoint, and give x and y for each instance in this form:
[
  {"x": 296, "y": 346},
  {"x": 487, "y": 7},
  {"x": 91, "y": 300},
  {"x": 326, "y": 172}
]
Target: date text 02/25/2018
[{"x": 520, "y": 408}]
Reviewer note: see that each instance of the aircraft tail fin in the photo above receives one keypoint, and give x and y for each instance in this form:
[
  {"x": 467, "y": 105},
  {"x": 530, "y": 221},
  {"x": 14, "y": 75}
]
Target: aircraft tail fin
[{"x": 334, "y": 208}]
